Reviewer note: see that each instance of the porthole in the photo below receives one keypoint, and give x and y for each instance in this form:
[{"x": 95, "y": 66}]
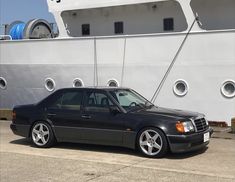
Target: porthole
[
  {"x": 113, "y": 83},
  {"x": 228, "y": 89},
  {"x": 180, "y": 88},
  {"x": 78, "y": 82},
  {"x": 3, "y": 83},
  {"x": 50, "y": 84}
]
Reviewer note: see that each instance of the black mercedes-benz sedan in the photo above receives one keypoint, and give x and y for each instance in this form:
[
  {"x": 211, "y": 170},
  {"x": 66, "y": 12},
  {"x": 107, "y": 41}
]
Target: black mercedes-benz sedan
[{"x": 110, "y": 116}]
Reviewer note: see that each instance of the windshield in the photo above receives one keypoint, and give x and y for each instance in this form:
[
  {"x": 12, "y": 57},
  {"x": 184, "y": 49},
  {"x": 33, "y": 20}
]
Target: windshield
[{"x": 130, "y": 100}]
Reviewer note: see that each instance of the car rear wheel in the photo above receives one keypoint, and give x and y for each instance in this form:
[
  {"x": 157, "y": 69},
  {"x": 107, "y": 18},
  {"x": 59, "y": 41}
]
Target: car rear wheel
[
  {"x": 42, "y": 135},
  {"x": 152, "y": 142}
]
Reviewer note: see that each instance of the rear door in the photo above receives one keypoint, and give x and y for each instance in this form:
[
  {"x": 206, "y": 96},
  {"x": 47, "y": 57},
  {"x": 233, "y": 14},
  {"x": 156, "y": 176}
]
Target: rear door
[
  {"x": 65, "y": 114},
  {"x": 99, "y": 124}
]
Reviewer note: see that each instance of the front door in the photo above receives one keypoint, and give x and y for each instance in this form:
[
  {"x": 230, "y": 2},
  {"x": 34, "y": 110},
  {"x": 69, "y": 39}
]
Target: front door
[{"x": 99, "y": 124}]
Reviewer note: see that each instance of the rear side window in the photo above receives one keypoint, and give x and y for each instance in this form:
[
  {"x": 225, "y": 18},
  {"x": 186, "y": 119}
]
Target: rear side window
[{"x": 69, "y": 101}]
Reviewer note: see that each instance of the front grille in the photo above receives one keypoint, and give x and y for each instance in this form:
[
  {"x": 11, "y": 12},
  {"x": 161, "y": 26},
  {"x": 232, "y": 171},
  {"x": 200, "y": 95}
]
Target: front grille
[{"x": 201, "y": 124}]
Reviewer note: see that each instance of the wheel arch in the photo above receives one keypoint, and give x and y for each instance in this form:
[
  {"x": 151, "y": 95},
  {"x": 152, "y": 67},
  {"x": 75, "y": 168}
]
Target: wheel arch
[
  {"x": 162, "y": 129},
  {"x": 42, "y": 120}
]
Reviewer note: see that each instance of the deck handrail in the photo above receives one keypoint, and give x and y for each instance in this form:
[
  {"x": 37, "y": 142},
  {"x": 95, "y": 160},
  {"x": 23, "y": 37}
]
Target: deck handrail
[{"x": 2, "y": 37}]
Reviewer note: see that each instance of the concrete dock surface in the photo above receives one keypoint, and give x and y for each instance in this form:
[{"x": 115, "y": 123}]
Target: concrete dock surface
[{"x": 19, "y": 161}]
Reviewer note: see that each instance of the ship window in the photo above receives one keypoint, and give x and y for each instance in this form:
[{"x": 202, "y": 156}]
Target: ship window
[
  {"x": 113, "y": 83},
  {"x": 50, "y": 84},
  {"x": 180, "y": 88},
  {"x": 3, "y": 83},
  {"x": 168, "y": 24},
  {"x": 85, "y": 29},
  {"x": 228, "y": 89},
  {"x": 118, "y": 27},
  {"x": 78, "y": 82},
  {"x": 215, "y": 14}
]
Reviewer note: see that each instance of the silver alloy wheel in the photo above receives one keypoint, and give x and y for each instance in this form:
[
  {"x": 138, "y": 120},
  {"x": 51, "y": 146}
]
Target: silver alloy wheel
[
  {"x": 40, "y": 134},
  {"x": 150, "y": 142}
]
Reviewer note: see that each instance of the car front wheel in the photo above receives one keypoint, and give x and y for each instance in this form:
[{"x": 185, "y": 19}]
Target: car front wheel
[
  {"x": 42, "y": 135},
  {"x": 152, "y": 142}
]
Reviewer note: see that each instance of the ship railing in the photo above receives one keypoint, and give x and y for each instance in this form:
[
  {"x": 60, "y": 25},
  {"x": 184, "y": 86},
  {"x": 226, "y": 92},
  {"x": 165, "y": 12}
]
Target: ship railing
[{"x": 5, "y": 37}]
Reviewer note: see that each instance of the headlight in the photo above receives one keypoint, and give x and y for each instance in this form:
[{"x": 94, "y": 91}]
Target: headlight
[
  {"x": 207, "y": 123},
  {"x": 184, "y": 127}
]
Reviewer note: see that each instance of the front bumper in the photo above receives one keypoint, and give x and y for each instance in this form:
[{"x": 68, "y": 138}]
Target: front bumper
[
  {"x": 191, "y": 142},
  {"x": 21, "y": 130}
]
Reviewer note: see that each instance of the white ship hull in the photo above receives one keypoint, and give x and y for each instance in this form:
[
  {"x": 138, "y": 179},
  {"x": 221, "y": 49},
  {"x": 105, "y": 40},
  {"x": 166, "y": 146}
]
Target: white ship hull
[{"x": 205, "y": 62}]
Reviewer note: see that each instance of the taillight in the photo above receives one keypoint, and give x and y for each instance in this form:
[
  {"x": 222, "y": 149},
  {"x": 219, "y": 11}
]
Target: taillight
[{"x": 13, "y": 115}]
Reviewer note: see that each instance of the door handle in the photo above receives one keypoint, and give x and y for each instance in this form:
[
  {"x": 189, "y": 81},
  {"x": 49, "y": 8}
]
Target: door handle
[
  {"x": 86, "y": 116},
  {"x": 51, "y": 114}
]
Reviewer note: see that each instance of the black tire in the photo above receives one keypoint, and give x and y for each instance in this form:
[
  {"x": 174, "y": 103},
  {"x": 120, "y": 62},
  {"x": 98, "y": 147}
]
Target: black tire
[
  {"x": 159, "y": 145},
  {"x": 36, "y": 135}
]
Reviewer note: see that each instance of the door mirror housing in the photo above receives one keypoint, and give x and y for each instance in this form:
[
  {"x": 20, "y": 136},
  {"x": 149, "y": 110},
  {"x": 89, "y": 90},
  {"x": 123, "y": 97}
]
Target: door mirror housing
[{"x": 114, "y": 110}]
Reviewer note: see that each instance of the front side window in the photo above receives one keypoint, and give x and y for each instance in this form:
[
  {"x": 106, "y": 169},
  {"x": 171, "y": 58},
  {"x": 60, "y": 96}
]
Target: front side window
[
  {"x": 97, "y": 102},
  {"x": 69, "y": 100},
  {"x": 130, "y": 100}
]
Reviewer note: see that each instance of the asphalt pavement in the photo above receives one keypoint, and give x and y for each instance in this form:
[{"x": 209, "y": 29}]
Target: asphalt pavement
[{"x": 19, "y": 161}]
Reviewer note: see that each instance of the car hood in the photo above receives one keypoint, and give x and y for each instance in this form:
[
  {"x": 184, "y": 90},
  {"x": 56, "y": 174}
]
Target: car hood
[{"x": 174, "y": 113}]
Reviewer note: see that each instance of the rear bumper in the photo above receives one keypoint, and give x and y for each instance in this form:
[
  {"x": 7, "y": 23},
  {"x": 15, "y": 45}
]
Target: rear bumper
[
  {"x": 185, "y": 143},
  {"x": 21, "y": 130}
]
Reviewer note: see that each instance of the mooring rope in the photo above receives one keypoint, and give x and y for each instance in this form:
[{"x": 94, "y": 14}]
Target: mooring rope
[
  {"x": 156, "y": 93},
  {"x": 96, "y": 81},
  {"x": 123, "y": 62}
]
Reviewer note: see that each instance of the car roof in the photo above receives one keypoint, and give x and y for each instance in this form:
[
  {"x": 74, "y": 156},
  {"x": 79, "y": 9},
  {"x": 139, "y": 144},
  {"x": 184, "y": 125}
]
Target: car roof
[{"x": 94, "y": 88}]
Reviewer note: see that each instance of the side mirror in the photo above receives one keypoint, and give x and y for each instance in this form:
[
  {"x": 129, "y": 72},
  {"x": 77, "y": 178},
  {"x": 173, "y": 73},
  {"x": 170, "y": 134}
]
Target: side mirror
[{"x": 114, "y": 110}]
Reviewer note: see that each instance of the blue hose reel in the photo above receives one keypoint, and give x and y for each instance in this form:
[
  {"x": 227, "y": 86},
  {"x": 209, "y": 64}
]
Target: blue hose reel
[
  {"x": 34, "y": 29},
  {"x": 17, "y": 31}
]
